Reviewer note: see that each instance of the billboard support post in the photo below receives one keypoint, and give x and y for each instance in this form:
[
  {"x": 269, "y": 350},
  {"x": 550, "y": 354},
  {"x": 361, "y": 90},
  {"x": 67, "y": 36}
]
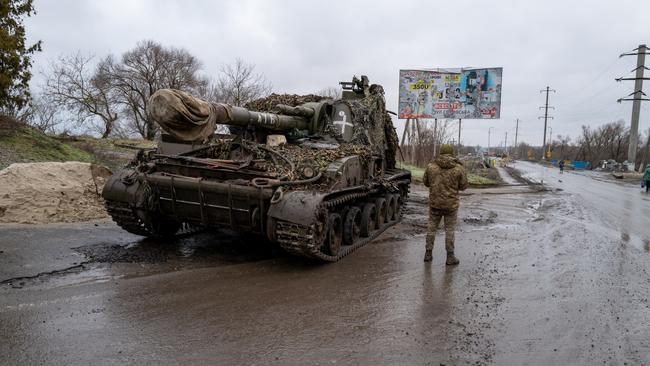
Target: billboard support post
[
  {"x": 435, "y": 137},
  {"x": 460, "y": 121},
  {"x": 406, "y": 128}
]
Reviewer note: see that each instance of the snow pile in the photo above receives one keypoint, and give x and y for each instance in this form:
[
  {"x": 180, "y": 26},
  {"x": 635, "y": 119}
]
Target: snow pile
[{"x": 41, "y": 193}]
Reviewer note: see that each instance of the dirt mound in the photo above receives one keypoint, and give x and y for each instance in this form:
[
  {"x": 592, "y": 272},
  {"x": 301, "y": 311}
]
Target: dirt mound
[{"x": 41, "y": 193}]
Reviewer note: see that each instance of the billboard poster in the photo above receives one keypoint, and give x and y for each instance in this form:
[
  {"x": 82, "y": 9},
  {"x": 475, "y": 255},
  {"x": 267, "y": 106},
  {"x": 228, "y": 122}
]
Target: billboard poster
[{"x": 459, "y": 93}]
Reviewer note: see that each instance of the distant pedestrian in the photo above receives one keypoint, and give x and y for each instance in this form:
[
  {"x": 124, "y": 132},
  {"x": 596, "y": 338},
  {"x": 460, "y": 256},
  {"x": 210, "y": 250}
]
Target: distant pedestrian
[
  {"x": 445, "y": 176},
  {"x": 561, "y": 165},
  {"x": 646, "y": 177}
]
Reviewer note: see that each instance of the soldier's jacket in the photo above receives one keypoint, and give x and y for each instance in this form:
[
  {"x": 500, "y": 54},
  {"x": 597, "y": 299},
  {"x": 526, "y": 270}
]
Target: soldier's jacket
[{"x": 445, "y": 177}]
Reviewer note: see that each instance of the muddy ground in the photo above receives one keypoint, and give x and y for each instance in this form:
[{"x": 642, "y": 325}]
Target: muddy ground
[{"x": 554, "y": 276}]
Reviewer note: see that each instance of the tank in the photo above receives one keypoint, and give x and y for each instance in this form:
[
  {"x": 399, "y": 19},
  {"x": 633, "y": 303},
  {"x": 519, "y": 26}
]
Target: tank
[{"x": 316, "y": 178}]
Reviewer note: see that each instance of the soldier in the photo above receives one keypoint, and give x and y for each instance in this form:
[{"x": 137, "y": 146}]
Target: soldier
[{"x": 445, "y": 176}]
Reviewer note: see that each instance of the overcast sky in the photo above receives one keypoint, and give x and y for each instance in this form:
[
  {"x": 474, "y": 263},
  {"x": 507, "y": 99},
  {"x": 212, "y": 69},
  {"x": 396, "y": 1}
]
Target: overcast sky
[{"x": 304, "y": 46}]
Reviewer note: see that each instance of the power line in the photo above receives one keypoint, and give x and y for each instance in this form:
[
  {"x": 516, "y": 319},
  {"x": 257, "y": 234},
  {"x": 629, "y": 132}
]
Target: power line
[
  {"x": 586, "y": 114},
  {"x": 598, "y": 92},
  {"x": 587, "y": 85}
]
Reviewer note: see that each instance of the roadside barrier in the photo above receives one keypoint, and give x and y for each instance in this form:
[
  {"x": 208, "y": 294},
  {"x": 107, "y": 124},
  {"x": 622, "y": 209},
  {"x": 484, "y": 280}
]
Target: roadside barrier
[{"x": 573, "y": 164}]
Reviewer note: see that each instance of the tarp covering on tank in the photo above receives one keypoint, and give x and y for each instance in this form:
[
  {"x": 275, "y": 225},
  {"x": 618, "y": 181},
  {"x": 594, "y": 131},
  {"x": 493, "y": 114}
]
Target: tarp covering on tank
[{"x": 183, "y": 116}]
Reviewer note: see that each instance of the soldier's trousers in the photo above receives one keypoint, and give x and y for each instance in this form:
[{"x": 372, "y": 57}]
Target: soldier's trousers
[{"x": 450, "y": 217}]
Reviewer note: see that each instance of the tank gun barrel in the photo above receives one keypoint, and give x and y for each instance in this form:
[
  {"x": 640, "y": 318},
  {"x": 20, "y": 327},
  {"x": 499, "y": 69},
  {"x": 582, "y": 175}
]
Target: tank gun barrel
[
  {"x": 191, "y": 119},
  {"x": 239, "y": 116}
]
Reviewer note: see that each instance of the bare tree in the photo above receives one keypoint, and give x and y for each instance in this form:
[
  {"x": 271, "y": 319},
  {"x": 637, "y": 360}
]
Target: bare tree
[
  {"x": 42, "y": 114},
  {"x": 609, "y": 141},
  {"x": 425, "y": 141},
  {"x": 525, "y": 151},
  {"x": 208, "y": 91},
  {"x": 330, "y": 92},
  {"x": 72, "y": 83},
  {"x": 124, "y": 85},
  {"x": 145, "y": 69},
  {"x": 239, "y": 84},
  {"x": 562, "y": 147}
]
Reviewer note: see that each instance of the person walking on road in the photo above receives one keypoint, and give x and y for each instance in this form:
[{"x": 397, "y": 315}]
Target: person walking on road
[
  {"x": 561, "y": 165},
  {"x": 646, "y": 177},
  {"x": 445, "y": 177}
]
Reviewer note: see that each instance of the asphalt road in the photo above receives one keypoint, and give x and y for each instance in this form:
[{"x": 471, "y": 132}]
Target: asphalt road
[
  {"x": 545, "y": 278},
  {"x": 618, "y": 206}
]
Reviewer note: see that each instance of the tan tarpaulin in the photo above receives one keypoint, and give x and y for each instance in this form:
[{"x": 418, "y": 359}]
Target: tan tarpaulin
[{"x": 185, "y": 117}]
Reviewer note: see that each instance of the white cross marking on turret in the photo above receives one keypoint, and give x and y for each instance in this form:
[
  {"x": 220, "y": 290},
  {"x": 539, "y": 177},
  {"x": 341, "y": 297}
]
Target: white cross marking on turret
[{"x": 343, "y": 124}]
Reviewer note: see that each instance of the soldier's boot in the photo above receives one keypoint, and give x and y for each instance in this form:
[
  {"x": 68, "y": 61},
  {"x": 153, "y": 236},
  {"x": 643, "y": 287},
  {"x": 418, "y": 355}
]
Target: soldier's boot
[
  {"x": 451, "y": 259},
  {"x": 428, "y": 256}
]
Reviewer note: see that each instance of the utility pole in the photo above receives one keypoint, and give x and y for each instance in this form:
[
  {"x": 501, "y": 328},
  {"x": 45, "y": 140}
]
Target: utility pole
[
  {"x": 637, "y": 96},
  {"x": 489, "y": 129},
  {"x": 546, "y": 117},
  {"x": 459, "y": 125},
  {"x": 505, "y": 143},
  {"x": 516, "y": 134}
]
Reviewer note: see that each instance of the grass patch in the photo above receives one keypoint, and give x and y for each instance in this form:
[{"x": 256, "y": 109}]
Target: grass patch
[
  {"x": 26, "y": 144},
  {"x": 113, "y": 153},
  {"x": 416, "y": 172},
  {"x": 477, "y": 180},
  {"x": 20, "y": 143}
]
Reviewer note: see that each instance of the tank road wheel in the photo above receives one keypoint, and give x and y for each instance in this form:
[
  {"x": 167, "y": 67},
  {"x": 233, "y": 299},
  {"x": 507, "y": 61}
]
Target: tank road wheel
[
  {"x": 320, "y": 228},
  {"x": 398, "y": 205},
  {"x": 390, "y": 207},
  {"x": 380, "y": 206},
  {"x": 334, "y": 237},
  {"x": 368, "y": 219},
  {"x": 352, "y": 226}
]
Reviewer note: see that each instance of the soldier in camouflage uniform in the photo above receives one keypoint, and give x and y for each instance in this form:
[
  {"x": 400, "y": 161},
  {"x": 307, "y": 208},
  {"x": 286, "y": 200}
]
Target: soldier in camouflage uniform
[{"x": 445, "y": 176}]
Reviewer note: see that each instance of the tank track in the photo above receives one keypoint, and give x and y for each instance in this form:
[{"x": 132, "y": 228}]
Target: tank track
[
  {"x": 123, "y": 215},
  {"x": 299, "y": 240}
]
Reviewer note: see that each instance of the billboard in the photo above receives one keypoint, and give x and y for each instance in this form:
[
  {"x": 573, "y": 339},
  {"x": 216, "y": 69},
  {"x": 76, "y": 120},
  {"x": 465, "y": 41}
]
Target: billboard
[{"x": 459, "y": 93}]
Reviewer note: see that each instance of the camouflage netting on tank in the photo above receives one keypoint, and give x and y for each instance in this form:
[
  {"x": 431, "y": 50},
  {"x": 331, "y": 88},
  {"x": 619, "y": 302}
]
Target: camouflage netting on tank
[
  {"x": 392, "y": 142},
  {"x": 373, "y": 126},
  {"x": 285, "y": 160},
  {"x": 368, "y": 124},
  {"x": 268, "y": 104}
]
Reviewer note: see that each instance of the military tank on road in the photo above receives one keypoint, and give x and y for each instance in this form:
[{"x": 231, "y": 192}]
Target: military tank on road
[{"x": 318, "y": 179}]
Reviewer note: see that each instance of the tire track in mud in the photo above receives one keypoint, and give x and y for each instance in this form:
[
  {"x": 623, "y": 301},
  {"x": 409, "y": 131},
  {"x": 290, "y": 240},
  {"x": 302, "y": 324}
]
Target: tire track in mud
[{"x": 20, "y": 282}]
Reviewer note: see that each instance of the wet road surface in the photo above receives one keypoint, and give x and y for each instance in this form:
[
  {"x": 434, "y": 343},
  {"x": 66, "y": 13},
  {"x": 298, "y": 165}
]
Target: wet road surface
[
  {"x": 542, "y": 280},
  {"x": 618, "y": 206}
]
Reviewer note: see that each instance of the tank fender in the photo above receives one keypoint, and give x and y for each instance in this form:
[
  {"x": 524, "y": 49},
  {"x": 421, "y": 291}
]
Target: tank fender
[
  {"x": 124, "y": 186},
  {"x": 297, "y": 206}
]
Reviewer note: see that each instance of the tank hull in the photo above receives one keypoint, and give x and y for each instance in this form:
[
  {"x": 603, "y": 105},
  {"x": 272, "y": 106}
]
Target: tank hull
[{"x": 162, "y": 202}]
